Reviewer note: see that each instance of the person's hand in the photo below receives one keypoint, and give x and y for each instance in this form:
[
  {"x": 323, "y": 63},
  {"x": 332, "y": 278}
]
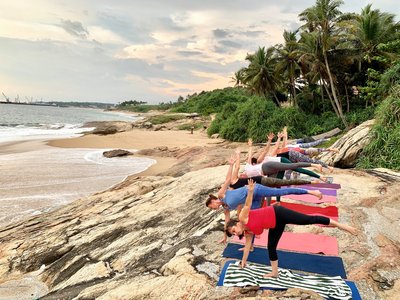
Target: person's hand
[
  {"x": 222, "y": 241},
  {"x": 237, "y": 151},
  {"x": 284, "y": 130},
  {"x": 250, "y": 142},
  {"x": 250, "y": 185},
  {"x": 280, "y": 134},
  {"x": 243, "y": 264},
  {"x": 232, "y": 159},
  {"x": 270, "y": 136}
]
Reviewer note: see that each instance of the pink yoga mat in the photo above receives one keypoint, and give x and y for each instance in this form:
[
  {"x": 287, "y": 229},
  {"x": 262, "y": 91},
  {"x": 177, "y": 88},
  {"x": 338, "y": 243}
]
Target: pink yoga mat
[
  {"x": 335, "y": 186},
  {"x": 312, "y": 199},
  {"x": 300, "y": 242}
]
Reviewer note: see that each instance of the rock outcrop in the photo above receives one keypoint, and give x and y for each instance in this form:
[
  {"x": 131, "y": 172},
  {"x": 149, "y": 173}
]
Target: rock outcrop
[
  {"x": 116, "y": 153},
  {"x": 153, "y": 238},
  {"x": 105, "y": 128},
  {"x": 350, "y": 146}
]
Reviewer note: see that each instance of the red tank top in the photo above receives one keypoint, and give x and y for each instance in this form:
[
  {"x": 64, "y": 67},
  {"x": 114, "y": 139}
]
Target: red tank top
[{"x": 260, "y": 219}]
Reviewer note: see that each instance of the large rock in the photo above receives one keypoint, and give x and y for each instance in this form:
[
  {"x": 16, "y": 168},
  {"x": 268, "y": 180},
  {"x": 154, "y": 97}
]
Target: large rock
[
  {"x": 350, "y": 146},
  {"x": 116, "y": 153},
  {"x": 105, "y": 128}
]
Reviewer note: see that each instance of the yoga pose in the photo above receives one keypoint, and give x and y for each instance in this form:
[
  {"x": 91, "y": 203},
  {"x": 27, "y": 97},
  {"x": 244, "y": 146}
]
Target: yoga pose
[
  {"x": 273, "y": 165},
  {"x": 233, "y": 199},
  {"x": 273, "y": 218},
  {"x": 237, "y": 182}
]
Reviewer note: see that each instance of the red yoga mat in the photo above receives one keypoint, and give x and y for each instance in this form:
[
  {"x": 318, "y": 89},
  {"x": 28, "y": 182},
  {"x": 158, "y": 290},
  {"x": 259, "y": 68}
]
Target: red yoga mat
[
  {"x": 312, "y": 199},
  {"x": 300, "y": 242},
  {"x": 330, "y": 211}
]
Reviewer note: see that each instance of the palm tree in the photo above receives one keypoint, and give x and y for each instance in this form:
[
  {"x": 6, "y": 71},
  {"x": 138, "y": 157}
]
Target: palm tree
[
  {"x": 260, "y": 76},
  {"x": 237, "y": 78},
  {"x": 287, "y": 61},
  {"x": 322, "y": 18}
]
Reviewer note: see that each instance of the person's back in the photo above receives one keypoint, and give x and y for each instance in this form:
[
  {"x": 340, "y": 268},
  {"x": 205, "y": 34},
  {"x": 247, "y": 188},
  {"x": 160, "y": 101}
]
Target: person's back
[{"x": 260, "y": 219}]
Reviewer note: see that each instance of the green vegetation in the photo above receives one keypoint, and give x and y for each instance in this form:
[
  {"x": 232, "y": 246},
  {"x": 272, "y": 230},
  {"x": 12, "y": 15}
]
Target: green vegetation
[
  {"x": 161, "y": 119},
  {"x": 188, "y": 126},
  {"x": 384, "y": 148},
  {"x": 335, "y": 70}
]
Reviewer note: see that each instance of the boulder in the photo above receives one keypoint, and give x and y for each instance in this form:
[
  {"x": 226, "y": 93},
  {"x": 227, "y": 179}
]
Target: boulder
[
  {"x": 116, "y": 153},
  {"x": 105, "y": 128},
  {"x": 350, "y": 146}
]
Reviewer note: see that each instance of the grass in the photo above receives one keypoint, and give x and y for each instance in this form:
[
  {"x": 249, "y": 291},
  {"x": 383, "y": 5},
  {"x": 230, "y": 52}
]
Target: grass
[{"x": 161, "y": 119}]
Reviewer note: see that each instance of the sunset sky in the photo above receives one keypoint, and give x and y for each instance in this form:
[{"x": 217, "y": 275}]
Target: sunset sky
[{"x": 112, "y": 51}]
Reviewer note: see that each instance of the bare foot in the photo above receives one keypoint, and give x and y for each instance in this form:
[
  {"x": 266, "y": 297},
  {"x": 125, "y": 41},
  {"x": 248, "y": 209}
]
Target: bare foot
[
  {"x": 324, "y": 179},
  {"x": 349, "y": 229},
  {"x": 317, "y": 166},
  {"x": 277, "y": 203},
  {"x": 270, "y": 275},
  {"x": 334, "y": 150},
  {"x": 316, "y": 193},
  {"x": 251, "y": 249},
  {"x": 314, "y": 181},
  {"x": 331, "y": 169}
]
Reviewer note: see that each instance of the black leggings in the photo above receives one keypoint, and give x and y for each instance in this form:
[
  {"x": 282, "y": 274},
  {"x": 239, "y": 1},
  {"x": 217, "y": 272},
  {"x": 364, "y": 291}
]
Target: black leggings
[
  {"x": 287, "y": 216},
  {"x": 273, "y": 167}
]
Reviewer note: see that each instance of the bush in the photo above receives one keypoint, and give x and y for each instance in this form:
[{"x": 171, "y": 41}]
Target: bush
[
  {"x": 161, "y": 119},
  {"x": 384, "y": 148}
]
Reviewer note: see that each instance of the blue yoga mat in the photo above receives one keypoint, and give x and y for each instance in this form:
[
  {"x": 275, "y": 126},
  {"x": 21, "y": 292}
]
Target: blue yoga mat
[
  {"x": 351, "y": 284},
  {"x": 321, "y": 264}
]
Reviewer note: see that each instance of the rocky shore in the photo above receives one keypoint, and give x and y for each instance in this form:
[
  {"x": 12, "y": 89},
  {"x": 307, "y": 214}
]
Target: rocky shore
[{"x": 152, "y": 237}]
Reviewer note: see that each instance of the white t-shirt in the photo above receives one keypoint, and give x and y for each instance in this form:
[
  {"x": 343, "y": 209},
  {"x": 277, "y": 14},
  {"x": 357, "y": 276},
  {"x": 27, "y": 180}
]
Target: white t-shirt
[
  {"x": 252, "y": 170},
  {"x": 271, "y": 158}
]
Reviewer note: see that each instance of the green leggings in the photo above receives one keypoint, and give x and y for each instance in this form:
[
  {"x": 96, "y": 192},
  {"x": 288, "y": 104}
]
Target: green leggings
[{"x": 281, "y": 174}]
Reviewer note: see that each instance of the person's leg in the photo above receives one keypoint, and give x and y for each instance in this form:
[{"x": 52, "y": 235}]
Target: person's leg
[
  {"x": 276, "y": 182},
  {"x": 272, "y": 167},
  {"x": 288, "y": 216},
  {"x": 312, "y": 144},
  {"x": 274, "y": 235},
  {"x": 263, "y": 191},
  {"x": 301, "y": 170},
  {"x": 295, "y": 156}
]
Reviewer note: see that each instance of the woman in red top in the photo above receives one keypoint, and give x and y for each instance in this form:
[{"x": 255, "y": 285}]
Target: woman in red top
[{"x": 273, "y": 218}]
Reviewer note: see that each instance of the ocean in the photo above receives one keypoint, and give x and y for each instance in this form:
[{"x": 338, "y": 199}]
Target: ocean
[{"x": 41, "y": 177}]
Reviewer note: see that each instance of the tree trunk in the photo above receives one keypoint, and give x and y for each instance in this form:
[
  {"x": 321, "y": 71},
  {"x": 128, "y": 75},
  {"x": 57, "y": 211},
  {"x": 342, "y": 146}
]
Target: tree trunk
[
  {"x": 347, "y": 98},
  {"x": 332, "y": 85},
  {"x": 330, "y": 98}
]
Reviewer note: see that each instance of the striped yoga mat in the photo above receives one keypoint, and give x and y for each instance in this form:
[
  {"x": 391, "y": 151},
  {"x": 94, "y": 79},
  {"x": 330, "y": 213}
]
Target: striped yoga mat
[
  {"x": 327, "y": 287},
  {"x": 299, "y": 242},
  {"x": 321, "y": 264}
]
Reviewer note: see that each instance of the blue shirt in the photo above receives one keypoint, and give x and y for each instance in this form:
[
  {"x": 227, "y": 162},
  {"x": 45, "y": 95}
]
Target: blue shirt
[{"x": 233, "y": 198}]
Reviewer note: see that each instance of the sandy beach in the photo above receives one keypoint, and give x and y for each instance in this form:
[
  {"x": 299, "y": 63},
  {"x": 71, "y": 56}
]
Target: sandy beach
[{"x": 141, "y": 139}]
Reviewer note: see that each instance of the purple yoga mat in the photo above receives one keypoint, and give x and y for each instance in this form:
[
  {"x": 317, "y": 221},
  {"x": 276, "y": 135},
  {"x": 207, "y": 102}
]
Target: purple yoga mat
[{"x": 328, "y": 192}]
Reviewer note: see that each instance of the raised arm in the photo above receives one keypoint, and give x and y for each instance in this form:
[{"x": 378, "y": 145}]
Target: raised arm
[
  {"x": 274, "y": 150},
  {"x": 236, "y": 166},
  {"x": 222, "y": 190},
  {"x": 266, "y": 148},
  {"x": 285, "y": 137},
  {"x": 244, "y": 214},
  {"x": 250, "y": 153}
]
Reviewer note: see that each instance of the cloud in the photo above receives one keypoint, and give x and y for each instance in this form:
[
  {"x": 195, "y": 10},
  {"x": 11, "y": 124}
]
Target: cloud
[
  {"x": 220, "y": 33},
  {"x": 74, "y": 28}
]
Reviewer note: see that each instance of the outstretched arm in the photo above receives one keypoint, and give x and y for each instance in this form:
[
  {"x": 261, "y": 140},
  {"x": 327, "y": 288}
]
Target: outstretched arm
[
  {"x": 227, "y": 182},
  {"x": 236, "y": 167},
  {"x": 250, "y": 153},
  {"x": 266, "y": 149},
  {"x": 285, "y": 137},
  {"x": 275, "y": 149},
  {"x": 246, "y": 250},
  {"x": 244, "y": 214}
]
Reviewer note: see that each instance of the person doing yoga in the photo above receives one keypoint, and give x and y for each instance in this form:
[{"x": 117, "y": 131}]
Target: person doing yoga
[
  {"x": 238, "y": 182},
  {"x": 272, "y": 165},
  {"x": 233, "y": 199},
  {"x": 254, "y": 221}
]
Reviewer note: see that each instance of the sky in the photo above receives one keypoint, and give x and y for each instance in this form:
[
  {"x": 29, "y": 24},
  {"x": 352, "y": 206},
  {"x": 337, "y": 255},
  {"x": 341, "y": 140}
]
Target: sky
[{"x": 154, "y": 51}]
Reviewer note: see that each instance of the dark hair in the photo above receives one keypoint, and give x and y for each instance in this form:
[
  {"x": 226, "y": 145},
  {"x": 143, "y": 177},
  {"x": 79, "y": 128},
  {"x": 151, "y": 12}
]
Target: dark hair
[
  {"x": 210, "y": 198},
  {"x": 253, "y": 160},
  {"x": 230, "y": 224}
]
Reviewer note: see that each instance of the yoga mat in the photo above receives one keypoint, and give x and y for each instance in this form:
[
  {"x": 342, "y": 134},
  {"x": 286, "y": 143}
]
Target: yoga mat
[
  {"x": 312, "y": 199},
  {"x": 326, "y": 265},
  {"x": 351, "y": 284},
  {"x": 335, "y": 186},
  {"x": 328, "y": 192},
  {"x": 299, "y": 242},
  {"x": 330, "y": 211}
]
